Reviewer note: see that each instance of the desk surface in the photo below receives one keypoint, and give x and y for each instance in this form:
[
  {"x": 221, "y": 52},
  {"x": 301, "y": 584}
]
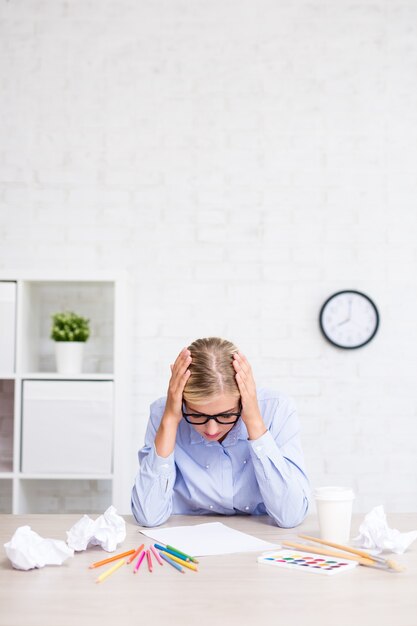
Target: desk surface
[{"x": 234, "y": 588}]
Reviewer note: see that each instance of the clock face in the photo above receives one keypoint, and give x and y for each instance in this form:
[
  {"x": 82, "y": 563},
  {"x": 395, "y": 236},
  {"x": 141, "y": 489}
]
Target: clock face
[{"x": 349, "y": 319}]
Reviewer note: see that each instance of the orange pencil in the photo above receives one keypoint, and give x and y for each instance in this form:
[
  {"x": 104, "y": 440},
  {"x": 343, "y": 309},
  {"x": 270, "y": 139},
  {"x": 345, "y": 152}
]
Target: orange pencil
[
  {"x": 116, "y": 557},
  {"x": 133, "y": 557},
  {"x": 140, "y": 559}
]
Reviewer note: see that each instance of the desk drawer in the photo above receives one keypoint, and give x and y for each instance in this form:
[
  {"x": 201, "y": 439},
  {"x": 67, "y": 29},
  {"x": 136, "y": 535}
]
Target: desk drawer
[{"x": 67, "y": 427}]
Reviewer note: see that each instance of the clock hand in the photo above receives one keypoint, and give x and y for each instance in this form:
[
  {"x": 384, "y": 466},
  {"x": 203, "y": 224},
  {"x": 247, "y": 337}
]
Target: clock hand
[
  {"x": 344, "y": 322},
  {"x": 350, "y": 308}
]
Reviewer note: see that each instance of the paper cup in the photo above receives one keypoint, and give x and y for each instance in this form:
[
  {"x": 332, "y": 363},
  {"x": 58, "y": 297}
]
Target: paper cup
[{"x": 334, "y": 510}]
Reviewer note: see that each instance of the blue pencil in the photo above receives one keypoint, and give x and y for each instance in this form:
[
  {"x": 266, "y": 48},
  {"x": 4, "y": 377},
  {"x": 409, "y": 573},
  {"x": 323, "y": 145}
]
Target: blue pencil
[
  {"x": 171, "y": 562},
  {"x": 170, "y": 551}
]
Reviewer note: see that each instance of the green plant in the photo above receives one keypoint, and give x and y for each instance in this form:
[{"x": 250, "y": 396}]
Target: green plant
[{"x": 69, "y": 327}]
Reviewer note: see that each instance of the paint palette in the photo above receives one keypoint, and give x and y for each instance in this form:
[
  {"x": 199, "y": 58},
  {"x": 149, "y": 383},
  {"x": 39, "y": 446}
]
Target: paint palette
[{"x": 307, "y": 562}]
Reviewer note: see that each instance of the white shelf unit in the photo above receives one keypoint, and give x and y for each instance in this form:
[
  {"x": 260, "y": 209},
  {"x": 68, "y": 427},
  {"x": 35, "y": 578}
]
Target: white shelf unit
[{"x": 63, "y": 439}]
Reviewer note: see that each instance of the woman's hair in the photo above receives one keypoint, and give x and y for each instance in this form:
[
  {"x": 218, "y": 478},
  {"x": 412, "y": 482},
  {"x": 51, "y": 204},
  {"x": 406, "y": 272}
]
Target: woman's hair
[{"x": 212, "y": 371}]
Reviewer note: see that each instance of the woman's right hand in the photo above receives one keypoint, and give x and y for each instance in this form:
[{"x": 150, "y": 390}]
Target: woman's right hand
[{"x": 179, "y": 376}]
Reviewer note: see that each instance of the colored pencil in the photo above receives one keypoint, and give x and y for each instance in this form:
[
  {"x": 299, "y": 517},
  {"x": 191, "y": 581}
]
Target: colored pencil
[
  {"x": 116, "y": 557},
  {"x": 168, "y": 560},
  {"x": 149, "y": 558},
  {"x": 133, "y": 557},
  {"x": 140, "y": 559},
  {"x": 156, "y": 555},
  {"x": 110, "y": 571},
  {"x": 169, "y": 551},
  {"x": 182, "y": 554},
  {"x": 177, "y": 553},
  {"x": 182, "y": 562}
]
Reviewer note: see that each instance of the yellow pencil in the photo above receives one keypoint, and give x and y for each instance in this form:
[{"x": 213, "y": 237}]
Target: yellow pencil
[
  {"x": 104, "y": 575},
  {"x": 180, "y": 561}
]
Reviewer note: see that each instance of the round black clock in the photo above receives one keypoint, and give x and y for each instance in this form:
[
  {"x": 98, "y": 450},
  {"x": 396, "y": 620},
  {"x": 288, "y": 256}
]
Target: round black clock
[{"x": 349, "y": 319}]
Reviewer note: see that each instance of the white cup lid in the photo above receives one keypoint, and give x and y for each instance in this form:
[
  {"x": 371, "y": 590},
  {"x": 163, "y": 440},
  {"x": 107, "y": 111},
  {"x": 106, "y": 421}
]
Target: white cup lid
[{"x": 336, "y": 494}]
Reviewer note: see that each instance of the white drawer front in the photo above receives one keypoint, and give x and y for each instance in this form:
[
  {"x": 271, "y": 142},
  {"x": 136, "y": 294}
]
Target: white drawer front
[
  {"x": 67, "y": 427},
  {"x": 7, "y": 326}
]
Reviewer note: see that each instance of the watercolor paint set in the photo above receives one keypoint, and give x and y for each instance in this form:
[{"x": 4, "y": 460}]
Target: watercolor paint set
[{"x": 307, "y": 562}]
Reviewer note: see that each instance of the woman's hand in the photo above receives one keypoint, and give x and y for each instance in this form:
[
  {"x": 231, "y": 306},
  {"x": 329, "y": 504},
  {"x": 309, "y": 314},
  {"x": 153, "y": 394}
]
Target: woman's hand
[
  {"x": 167, "y": 431},
  {"x": 251, "y": 414},
  {"x": 179, "y": 376}
]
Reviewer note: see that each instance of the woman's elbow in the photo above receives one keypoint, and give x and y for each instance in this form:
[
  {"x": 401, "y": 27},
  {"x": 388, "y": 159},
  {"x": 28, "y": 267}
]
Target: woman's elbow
[
  {"x": 145, "y": 517},
  {"x": 291, "y": 517}
]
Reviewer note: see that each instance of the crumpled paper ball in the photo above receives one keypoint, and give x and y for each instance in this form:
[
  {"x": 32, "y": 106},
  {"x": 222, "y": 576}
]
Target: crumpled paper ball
[
  {"x": 375, "y": 535},
  {"x": 106, "y": 531},
  {"x": 27, "y": 550}
]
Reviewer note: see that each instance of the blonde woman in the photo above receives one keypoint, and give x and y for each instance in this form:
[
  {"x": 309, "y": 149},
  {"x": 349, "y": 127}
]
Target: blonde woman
[{"x": 216, "y": 445}]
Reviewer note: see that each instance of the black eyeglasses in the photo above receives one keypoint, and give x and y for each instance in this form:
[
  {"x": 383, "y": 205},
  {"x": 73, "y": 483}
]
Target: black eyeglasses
[{"x": 220, "y": 418}]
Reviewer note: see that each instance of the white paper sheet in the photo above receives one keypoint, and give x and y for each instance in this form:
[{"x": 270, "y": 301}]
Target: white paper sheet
[{"x": 208, "y": 539}]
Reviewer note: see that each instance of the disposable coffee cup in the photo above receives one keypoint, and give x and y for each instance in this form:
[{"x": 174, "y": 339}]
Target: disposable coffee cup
[{"x": 334, "y": 510}]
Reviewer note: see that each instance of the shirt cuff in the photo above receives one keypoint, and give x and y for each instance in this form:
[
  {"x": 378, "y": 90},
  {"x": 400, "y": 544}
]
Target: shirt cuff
[
  {"x": 264, "y": 446},
  {"x": 161, "y": 466}
]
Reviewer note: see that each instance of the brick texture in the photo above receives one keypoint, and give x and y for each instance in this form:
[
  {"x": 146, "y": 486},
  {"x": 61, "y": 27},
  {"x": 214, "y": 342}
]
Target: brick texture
[{"x": 242, "y": 160}]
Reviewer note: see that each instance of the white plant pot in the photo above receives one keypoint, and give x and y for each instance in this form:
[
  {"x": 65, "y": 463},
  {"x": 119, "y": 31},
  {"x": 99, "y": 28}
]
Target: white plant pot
[{"x": 69, "y": 356}]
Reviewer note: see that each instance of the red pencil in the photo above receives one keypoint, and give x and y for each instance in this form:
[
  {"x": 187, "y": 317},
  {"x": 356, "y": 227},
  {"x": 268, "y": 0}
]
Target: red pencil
[{"x": 148, "y": 556}]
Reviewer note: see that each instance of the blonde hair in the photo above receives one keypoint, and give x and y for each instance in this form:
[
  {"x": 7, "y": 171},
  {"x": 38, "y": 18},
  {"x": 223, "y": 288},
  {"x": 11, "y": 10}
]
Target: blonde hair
[{"x": 212, "y": 371}]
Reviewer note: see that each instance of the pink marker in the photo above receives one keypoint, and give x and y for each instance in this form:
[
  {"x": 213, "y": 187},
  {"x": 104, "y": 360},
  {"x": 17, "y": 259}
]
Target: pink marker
[
  {"x": 140, "y": 559},
  {"x": 158, "y": 558},
  {"x": 148, "y": 556}
]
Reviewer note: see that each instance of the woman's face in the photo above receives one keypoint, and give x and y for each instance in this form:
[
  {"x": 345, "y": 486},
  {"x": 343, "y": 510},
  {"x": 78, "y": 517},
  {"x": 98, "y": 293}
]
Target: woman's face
[{"x": 212, "y": 430}]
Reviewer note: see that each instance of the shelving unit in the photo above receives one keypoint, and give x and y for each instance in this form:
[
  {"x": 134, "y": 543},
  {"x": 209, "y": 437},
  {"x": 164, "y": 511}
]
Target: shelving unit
[{"x": 63, "y": 438}]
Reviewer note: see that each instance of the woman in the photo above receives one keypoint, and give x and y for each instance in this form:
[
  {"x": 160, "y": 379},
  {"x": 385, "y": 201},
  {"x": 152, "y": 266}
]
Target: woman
[{"x": 215, "y": 445}]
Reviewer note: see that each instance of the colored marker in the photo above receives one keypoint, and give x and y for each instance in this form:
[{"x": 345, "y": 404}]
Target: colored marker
[
  {"x": 168, "y": 560},
  {"x": 110, "y": 571},
  {"x": 140, "y": 559},
  {"x": 156, "y": 555}
]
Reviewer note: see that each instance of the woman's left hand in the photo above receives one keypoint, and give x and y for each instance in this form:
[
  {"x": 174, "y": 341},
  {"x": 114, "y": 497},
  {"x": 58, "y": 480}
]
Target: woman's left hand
[{"x": 251, "y": 414}]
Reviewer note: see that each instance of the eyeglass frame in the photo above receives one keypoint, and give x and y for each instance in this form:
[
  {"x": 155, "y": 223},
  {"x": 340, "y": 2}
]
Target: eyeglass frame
[{"x": 212, "y": 417}]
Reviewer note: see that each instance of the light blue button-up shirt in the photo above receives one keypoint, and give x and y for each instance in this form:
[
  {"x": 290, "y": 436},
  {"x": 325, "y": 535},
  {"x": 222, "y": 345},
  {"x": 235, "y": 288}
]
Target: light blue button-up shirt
[{"x": 237, "y": 476}]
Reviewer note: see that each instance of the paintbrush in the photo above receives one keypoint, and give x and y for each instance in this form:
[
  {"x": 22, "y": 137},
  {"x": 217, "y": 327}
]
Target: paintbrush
[
  {"x": 362, "y": 553},
  {"x": 303, "y": 547}
]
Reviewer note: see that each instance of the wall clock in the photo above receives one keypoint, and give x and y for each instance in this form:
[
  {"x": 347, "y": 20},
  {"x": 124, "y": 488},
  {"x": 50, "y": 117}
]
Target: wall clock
[{"x": 349, "y": 319}]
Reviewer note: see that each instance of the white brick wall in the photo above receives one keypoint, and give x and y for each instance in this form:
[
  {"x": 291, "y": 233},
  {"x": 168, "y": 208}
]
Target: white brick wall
[{"x": 242, "y": 160}]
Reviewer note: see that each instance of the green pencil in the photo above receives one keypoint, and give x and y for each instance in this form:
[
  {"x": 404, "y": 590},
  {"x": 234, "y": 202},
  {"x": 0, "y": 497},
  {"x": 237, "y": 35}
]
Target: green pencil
[{"x": 187, "y": 556}]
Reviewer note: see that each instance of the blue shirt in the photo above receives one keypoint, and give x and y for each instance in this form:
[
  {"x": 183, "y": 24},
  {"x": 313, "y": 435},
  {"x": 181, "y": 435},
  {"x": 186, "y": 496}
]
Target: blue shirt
[{"x": 237, "y": 476}]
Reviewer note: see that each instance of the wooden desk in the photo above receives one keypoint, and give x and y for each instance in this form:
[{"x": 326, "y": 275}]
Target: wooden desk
[{"x": 227, "y": 590}]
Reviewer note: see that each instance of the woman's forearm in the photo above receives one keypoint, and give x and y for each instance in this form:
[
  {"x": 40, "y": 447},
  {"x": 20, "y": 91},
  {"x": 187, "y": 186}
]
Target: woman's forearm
[{"x": 166, "y": 435}]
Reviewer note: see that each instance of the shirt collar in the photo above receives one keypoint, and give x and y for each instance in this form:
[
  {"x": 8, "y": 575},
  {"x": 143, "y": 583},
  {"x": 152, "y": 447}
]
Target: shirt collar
[{"x": 239, "y": 431}]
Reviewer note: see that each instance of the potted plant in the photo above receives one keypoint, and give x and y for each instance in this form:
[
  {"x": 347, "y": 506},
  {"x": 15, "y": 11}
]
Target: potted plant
[{"x": 70, "y": 332}]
